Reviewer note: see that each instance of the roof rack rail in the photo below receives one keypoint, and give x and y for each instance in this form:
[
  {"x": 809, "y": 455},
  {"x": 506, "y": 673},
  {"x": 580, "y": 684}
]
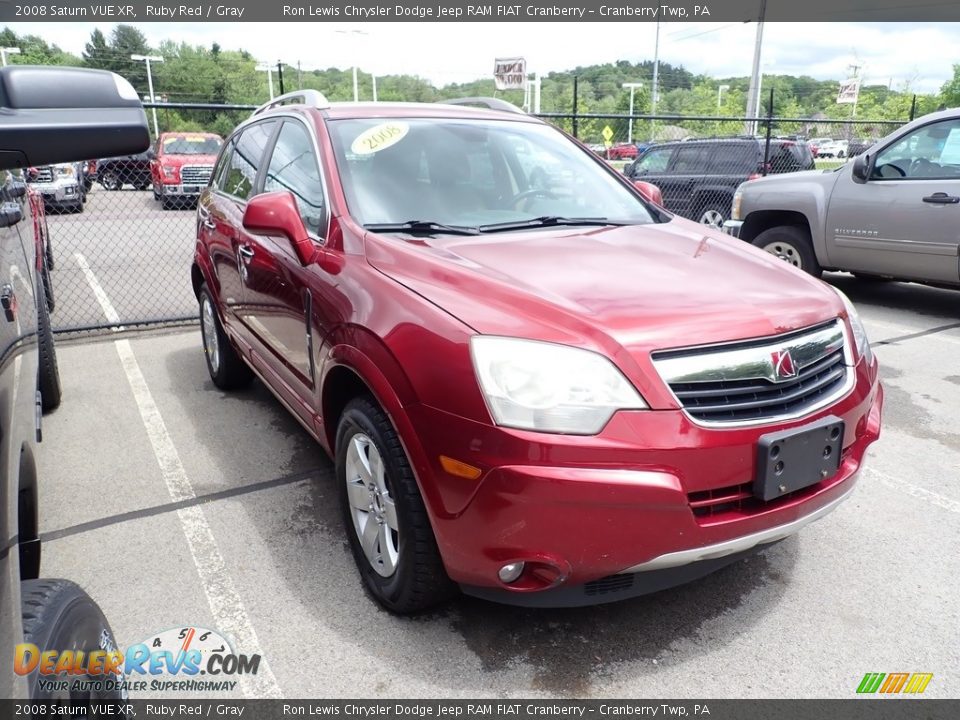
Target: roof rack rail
[
  {"x": 486, "y": 102},
  {"x": 306, "y": 97}
]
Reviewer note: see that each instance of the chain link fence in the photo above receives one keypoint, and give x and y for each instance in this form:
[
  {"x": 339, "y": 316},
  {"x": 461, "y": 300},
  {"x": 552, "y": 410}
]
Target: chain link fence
[{"x": 121, "y": 250}]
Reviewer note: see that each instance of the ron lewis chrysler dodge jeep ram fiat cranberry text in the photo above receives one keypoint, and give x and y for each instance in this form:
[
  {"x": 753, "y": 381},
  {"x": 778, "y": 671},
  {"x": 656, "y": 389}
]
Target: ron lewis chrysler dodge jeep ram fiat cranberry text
[{"x": 537, "y": 385}]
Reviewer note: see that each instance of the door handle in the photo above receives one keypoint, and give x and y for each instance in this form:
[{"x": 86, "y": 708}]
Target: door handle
[
  {"x": 941, "y": 198},
  {"x": 246, "y": 252}
]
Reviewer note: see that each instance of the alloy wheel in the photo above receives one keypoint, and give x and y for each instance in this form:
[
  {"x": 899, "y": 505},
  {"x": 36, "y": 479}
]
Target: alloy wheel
[
  {"x": 786, "y": 252},
  {"x": 713, "y": 218},
  {"x": 211, "y": 341},
  {"x": 372, "y": 508}
]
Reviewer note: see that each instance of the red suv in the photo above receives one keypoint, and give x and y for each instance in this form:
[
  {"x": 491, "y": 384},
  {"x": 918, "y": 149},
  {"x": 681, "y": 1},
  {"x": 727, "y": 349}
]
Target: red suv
[
  {"x": 536, "y": 386},
  {"x": 180, "y": 166}
]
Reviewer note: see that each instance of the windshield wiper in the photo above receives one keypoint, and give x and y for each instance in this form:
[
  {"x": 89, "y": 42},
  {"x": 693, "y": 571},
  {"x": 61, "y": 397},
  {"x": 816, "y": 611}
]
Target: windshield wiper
[
  {"x": 421, "y": 227},
  {"x": 548, "y": 221}
]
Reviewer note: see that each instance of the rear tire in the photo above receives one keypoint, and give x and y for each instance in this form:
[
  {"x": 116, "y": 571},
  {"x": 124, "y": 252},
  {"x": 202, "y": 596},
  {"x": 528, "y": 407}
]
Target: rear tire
[
  {"x": 47, "y": 286},
  {"x": 59, "y": 615},
  {"x": 48, "y": 380},
  {"x": 227, "y": 370},
  {"x": 110, "y": 181},
  {"x": 401, "y": 567},
  {"x": 792, "y": 244}
]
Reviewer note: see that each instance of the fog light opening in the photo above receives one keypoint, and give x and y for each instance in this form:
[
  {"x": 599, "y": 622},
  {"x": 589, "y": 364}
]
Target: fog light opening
[{"x": 511, "y": 572}]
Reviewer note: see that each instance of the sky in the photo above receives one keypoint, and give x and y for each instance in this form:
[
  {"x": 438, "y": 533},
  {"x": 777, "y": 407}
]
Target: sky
[{"x": 918, "y": 54}]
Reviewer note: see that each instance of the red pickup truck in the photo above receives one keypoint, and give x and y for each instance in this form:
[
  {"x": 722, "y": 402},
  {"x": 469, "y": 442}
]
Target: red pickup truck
[{"x": 181, "y": 166}]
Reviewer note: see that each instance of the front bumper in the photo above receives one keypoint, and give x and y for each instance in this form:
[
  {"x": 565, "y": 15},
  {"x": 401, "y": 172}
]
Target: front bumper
[
  {"x": 181, "y": 190},
  {"x": 58, "y": 193},
  {"x": 612, "y": 516},
  {"x": 732, "y": 227}
]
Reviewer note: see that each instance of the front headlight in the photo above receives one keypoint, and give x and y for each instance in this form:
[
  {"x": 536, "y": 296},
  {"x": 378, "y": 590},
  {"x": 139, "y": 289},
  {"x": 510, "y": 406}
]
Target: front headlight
[
  {"x": 737, "y": 201},
  {"x": 860, "y": 339},
  {"x": 65, "y": 171},
  {"x": 169, "y": 172},
  {"x": 549, "y": 388}
]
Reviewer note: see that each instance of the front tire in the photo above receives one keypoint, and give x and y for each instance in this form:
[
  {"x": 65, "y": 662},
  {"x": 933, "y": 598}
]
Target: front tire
[
  {"x": 227, "y": 370},
  {"x": 48, "y": 380},
  {"x": 59, "y": 615},
  {"x": 383, "y": 513},
  {"x": 110, "y": 181},
  {"x": 792, "y": 244}
]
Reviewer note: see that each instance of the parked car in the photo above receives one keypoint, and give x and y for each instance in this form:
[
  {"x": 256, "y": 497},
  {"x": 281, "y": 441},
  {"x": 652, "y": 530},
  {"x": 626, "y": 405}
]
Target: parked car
[
  {"x": 833, "y": 149},
  {"x": 699, "y": 177},
  {"x": 892, "y": 212},
  {"x": 54, "y": 615},
  {"x": 181, "y": 167},
  {"x": 622, "y": 151},
  {"x": 542, "y": 396},
  {"x": 114, "y": 173},
  {"x": 61, "y": 186}
]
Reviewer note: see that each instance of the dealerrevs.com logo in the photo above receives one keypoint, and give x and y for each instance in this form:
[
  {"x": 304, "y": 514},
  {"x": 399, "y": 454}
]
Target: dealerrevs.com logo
[{"x": 189, "y": 659}]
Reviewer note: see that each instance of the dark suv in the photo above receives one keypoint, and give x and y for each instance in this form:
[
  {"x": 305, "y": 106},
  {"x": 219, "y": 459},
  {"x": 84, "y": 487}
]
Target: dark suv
[
  {"x": 48, "y": 117},
  {"x": 698, "y": 177},
  {"x": 113, "y": 173}
]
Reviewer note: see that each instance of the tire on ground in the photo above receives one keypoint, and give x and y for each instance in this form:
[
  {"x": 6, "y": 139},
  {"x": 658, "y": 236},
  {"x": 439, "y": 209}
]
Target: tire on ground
[
  {"x": 792, "y": 244},
  {"x": 713, "y": 208},
  {"x": 59, "y": 615},
  {"x": 419, "y": 581},
  {"x": 48, "y": 380},
  {"x": 227, "y": 370}
]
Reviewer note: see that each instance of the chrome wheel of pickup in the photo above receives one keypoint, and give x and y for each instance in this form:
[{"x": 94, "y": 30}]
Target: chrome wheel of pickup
[{"x": 785, "y": 251}]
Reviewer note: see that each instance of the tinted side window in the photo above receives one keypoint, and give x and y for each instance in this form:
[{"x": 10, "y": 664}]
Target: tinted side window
[
  {"x": 246, "y": 158},
  {"x": 293, "y": 166},
  {"x": 654, "y": 160},
  {"x": 736, "y": 158},
  {"x": 220, "y": 172},
  {"x": 691, "y": 160}
]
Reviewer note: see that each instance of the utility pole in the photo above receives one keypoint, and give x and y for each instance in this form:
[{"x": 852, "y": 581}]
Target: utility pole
[
  {"x": 299, "y": 77},
  {"x": 8, "y": 51},
  {"x": 266, "y": 67},
  {"x": 373, "y": 79},
  {"x": 753, "y": 97},
  {"x": 280, "y": 75},
  {"x": 656, "y": 82},
  {"x": 631, "y": 86},
  {"x": 148, "y": 59}
]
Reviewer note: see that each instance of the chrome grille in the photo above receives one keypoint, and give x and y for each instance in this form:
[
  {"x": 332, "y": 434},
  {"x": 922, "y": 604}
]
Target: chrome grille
[
  {"x": 739, "y": 383},
  {"x": 195, "y": 174},
  {"x": 44, "y": 175}
]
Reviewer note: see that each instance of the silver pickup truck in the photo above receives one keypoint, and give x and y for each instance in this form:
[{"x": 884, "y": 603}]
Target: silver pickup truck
[
  {"x": 892, "y": 212},
  {"x": 62, "y": 186}
]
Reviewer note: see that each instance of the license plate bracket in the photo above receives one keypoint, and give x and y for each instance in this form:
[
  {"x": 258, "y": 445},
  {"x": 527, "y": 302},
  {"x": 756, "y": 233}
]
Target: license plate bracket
[{"x": 793, "y": 459}]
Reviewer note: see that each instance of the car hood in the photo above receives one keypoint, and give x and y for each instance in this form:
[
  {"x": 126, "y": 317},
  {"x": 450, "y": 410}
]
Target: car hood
[{"x": 639, "y": 288}]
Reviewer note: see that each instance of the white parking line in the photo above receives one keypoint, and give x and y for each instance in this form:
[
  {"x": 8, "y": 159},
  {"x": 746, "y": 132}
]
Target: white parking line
[
  {"x": 907, "y": 330},
  {"x": 225, "y": 603},
  {"x": 941, "y": 501}
]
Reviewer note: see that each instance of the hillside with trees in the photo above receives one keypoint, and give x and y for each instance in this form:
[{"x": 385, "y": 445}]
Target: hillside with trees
[{"x": 197, "y": 74}]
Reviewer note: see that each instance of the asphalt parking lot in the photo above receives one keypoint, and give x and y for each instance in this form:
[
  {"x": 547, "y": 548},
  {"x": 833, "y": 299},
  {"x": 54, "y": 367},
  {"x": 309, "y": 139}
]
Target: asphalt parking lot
[{"x": 175, "y": 504}]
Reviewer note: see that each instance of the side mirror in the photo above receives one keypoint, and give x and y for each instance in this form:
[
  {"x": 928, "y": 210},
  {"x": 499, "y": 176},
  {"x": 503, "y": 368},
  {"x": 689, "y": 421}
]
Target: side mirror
[
  {"x": 51, "y": 115},
  {"x": 276, "y": 213},
  {"x": 650, "y": 191},
  {"x": 861, "y": 168}
]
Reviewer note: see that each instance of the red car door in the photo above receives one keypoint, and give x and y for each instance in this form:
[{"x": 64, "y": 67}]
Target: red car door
[
  {"x": 220, "y": 218},
  {"x": 278, "y": 299}
]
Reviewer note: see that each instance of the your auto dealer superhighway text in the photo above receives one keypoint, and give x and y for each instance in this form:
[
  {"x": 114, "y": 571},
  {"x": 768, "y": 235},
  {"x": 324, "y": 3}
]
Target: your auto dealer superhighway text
[{"x": 515, "y": 11}]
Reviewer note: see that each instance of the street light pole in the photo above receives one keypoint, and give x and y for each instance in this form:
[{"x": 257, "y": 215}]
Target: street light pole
[
  {"x": 356, "y": 87},
  {"x": 656, "y": 83},
  {"x": 720, "y": 90},
  {"x": 631, "y": 86},
  {"x": 268, "y": 68},
  {"x": 148, "y": 59},
  {"x": 8, "y": 51}
]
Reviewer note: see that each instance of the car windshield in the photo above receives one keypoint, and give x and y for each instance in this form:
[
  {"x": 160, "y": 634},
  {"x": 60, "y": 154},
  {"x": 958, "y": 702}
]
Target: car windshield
[
  {"x": 191, "y": 145},
  {"x": 472, "y": 174}
]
